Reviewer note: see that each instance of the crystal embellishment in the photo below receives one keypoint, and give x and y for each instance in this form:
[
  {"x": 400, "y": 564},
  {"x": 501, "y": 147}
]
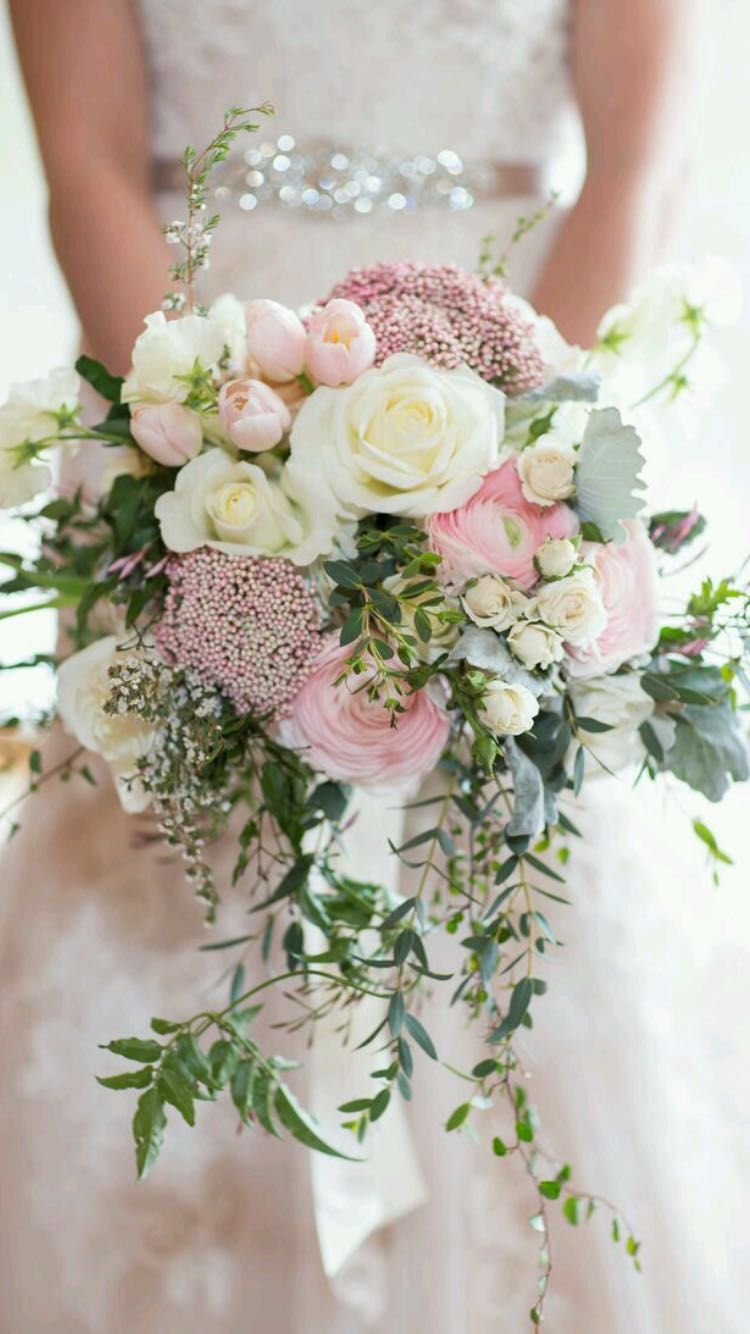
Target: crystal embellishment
[{"x": 339, "y": 181}]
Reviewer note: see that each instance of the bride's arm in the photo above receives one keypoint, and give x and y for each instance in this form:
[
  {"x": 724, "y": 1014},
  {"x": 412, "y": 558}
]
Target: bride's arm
[
  {"x": 630, "y": 64},
  {"x": 84, "y": 72}
]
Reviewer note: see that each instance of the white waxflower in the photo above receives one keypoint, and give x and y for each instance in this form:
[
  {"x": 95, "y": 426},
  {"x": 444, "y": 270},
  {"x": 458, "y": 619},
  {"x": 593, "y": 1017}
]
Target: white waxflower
[
  {"x": 573, "y": 605},
  {"x": 167, "y": 350},
  {"x": 404, "y": 438},
  {"x": 234, "y": 506},
  {"x": 556, "y": 557},
  {"x": 83, "y": 687},
  {"x": 621, "y": 702},
  {"x": 508, "y": 710},
  {"x": 491, "y": 602},
  {"x": 535, "y": 645}
]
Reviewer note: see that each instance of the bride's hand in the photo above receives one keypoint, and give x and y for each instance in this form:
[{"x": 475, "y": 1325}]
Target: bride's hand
[
  {"x": 631, "y": 66},
  {"x": 85, "y": 75}
]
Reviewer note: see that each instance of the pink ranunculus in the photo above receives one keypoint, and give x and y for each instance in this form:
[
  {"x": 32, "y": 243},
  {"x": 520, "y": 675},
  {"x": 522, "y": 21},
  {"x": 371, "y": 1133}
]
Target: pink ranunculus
[
  {"x": 168, "y": 432},
  {"x": 497, "y": 531},
  {"x": 350, "y": 738},
  {"x": 340, "y": 343},
  {"x": 252, "y": 414},
  {"x": 276, "y": 340},
  {"x": 628, "y": 583}
]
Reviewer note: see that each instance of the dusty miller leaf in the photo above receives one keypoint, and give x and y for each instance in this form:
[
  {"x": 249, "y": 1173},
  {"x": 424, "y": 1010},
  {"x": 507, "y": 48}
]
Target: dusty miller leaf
[
  {"x": 528, "y": 793},
  {"x": 608, "y": 475},
  {"x": 708, "y": 749},
  {"x": 484, "y": 649},
  {"x": 574, "y": 387}
]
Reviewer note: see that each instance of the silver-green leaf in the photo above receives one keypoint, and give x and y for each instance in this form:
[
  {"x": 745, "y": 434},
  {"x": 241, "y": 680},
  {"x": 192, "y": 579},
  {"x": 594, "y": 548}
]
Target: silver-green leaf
[
  {"x": 608, "y": 477},
  {"x": 709, "y": 749}
]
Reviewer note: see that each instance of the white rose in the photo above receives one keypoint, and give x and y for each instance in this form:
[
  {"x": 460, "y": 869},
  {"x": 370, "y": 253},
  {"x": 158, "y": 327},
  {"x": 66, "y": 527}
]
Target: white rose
[
  {"x": 492, "y": 602},
  {"x": 573, "y": 606},
  {"x": 404, "y": 438},
  {"x": 31, "y": 413},
  {"x": 236, "y": 508},
  {"x": 168, "y": 349},
  {"x": 508, "y": 710},
  {"x": 621, "y": 702},
  {"x": 83, "y": 687},
  {"x": 556, "y": 557},
  {"x": 535, "y": 645},
  {"x": 547, "y": 471}
]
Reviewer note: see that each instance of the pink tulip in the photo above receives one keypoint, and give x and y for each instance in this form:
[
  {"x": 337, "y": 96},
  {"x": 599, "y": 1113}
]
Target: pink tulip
[
  {"x": 497, "y": 531},
  {"x": 275, "y": 339},
  {"x": 340, "y": 343},
  {"x": 252, "y": 414},
  {"x": 170, "y": 433},
  {"x": 350, "y": 738},
  {"x": 628, "y": 583}
]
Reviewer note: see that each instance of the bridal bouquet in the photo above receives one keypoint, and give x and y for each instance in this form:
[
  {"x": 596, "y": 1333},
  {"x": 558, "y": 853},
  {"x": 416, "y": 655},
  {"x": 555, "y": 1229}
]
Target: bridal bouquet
[{"x": 397, "y": 536}]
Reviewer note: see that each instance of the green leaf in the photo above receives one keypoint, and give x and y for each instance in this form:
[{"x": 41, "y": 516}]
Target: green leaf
[
  {"x": 550, "y": 1189},
  {"x": 420, "y": 1035},
  {"x": 164, "y": 1026},
  {"x": 458, "y": 1116},
  {"x": 499, "y": 1147},
  {"x": 346, "y": 576},
  {"x": 405, "y": 1057},
  {"x": 175, "y": 1089},
  {"x": 708, "y": 749},
  {"x": 149, "y": 1124},
  {"x": 262, "y": 1094},
  {"x": 569, "y": 387},
  {"x": 356, "y": 1105},
  {"x": 351, "y": 630},
  {"x": 570, "y": 1209},
  {"x": 136, "y": 1049},
  {"x": 579, "y": 768},
  {"x": 299, "y": 1124},
  {"x": 379, "y": 1104},
  {"x": 223, "y": 1059},
  {"x": 397, "y": 913},
  {"x": 241, "y": 1087},
  {"x": 194, "y": 1059},
  {"x": 100, "y": 379},
  {"x": 396, "y": 1012},
  {"x": 519, "y": 1003},
  {"x": 608, "y": 474},
  {"x": 136, "y": 1079}
]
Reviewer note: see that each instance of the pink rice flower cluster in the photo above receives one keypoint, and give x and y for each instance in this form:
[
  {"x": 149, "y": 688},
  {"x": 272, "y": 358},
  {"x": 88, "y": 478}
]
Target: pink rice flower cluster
[
  {"x": 248, "y": 625},
  {"x": 449, "y": 317}
]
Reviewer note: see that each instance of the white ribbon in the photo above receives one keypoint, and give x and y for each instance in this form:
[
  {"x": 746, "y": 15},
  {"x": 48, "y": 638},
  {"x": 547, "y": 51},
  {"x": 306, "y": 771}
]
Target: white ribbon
[{"x": 353, "y": 1200}]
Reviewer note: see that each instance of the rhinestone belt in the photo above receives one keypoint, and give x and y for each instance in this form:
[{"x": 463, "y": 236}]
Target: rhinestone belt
[{"x": 327, "y": 178}]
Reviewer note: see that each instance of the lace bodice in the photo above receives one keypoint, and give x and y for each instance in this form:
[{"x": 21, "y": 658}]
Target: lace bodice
[{"x": 488, "y": 77}]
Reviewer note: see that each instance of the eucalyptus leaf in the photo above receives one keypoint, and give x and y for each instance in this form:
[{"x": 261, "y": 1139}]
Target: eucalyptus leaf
[{"x": 608, "y": 476}]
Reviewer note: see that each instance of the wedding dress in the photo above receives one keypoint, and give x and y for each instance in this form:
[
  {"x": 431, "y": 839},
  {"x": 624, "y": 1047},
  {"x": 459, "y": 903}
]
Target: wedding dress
[{"x": 97, "y": 933}]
